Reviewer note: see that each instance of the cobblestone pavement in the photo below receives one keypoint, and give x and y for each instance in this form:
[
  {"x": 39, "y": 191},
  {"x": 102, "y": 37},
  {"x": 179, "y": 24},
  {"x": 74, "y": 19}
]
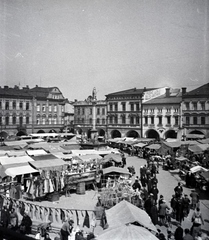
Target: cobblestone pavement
[{"x": 166, "y": 183}]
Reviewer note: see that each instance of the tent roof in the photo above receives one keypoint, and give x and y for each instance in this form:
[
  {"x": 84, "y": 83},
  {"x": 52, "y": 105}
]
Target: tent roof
[
  {"x": 16, "y": 153},
  {"x": 140, "y": 144},
  {"x": 127, "y": 232},
  {"x": 125, "y": 212},
  {"x": 54, "y": 164},
  {"x": 36, "y": 152},
  {"x": 44, "y": 157},
  {"x": 14, "y": 160},
  {"x": 113, "y": 157},
  {"x": 175, "y": 144},
  {"x": 154, "y": 146},
  {"x": 198, "y": 148},
  {"x": 115, "y": 170}
]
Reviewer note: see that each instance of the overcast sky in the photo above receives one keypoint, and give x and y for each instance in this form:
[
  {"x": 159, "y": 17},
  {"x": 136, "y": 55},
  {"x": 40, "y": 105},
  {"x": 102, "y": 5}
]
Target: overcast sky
[{"x": 112, "y": 45}]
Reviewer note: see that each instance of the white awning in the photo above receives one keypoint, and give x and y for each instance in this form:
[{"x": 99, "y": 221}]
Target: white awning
[
  {"x": 12, "y": 160},
  {"x": 36, "y": 152},
  {"x": 20, "y": 170}
]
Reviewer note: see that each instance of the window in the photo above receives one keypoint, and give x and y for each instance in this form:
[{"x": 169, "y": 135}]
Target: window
[
  {"x": 83, "y": 111},
  {"x": 55, "y": 108},
  {"x": 43, "y": 108},
  {"x": 160, "y": 110},
  {"x": 116, "y": 107},
  {"x": 21, "y": 105},
  {"x": 7, "y": 120},
  {"x": 103, "y": 120},
  {"x": 14, "y": 105},
  {"x": 195, "y": 120},
  {"x": 79, "y": 111},
  {"x": 132, "y": 107},
  {"x": 14, "y": 120},
  {"x": 168, "y": 120},
  {"x": 20, "y": 120},
  {"x": 160, "y": 120},
  {"x": 50, "y": 107},
  {"x": 124, "y": 106},
  {"x": 176, "y": 120},
  {"x": 111, "y": 119},
  {"x": 7, "y": 105},
  {"x": 137, "y": 107},
  {"x": 103, "y": 111},
  {"x": 43, "y": 120},
  {"x": 176, "y": 110},
  {"x": 38, "y": 107},
  {"x": 98, "y": 111},
  {"x": 168, "y": 110},
  {"x": 187, "y": 120},
  {"x": 50, "y": 120},
  {"x": 90, "y": 120},
  {"x": 194, "y": 105},
  {"x": 110, "y": 106},
  {"x": 152, "y": 120},
  {"x": 27, "y": 119},
  {"x": 131, "y": 120},
  {"x": 0, "y": 105},
  {"x": 1, "y": 120},
  {"x": 90, "y": 111},
  {"x": 202, "y": 120},
  {"x": 137, "y": 120},
  {"x": 123, "y": 119},
  {"x": 152, "y": 110},
  {"x": 202, "y": 105},
  {"x": 187, "y": 105},
  {"x": 82, "y": 120},
  {"x": 145, "y": 120},
  {"x": 55, "y": 119},
  {"x": 98, "y": 121},
  {"x": 27, "y": 106},
  {"x": 116, "y": 119}
]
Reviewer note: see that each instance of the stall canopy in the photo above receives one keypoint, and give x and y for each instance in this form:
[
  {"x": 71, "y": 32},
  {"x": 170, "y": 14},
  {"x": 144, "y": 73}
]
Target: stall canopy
[
  {"x": 127, "y": 232},
  {"x": 140, "y": 144},
  {"x": 112, "y": 157},
  {"x": 198, "y": 169},
  {"x": 198, "y": 148},
  {"x": 154, "y": 146},
  {"x": 44, "y": 157},
  {"x": 181, "y": 158},
  {"x": 90, "y": 157},
  {"x": 54, "y": 164},
  {"x": 16, "y": 153},
  {"x": 15, "y": 144},
  {"x": 204, "y": 140},
  {"x": 116, "y": 170},
  {"x": 125, "y": 212},
  {"x": 12, "y": 160},
  {"x": 36, "y": 152},
  {"x": 16, "y": 169}
]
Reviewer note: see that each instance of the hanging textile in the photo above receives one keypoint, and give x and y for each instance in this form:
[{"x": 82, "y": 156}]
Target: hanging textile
[
  {"x": 41, "y": 213},
  {"x": 62, "y": 215},
  {"x": 50, "y": 217},
  {"x": 46, "y": 185},
  {"x": 77, "y": 217},
  {"x": 51, "y": 187},
  {"x": 56, "y": 214},
  {"x": 30, "y": 211},
  {"x": 86, "y": 220},
  {"x": 36, "y": 212}
]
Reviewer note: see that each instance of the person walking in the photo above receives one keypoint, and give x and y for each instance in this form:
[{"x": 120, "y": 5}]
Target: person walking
[
  {"x": 179, "y": 232},
  {"x": 197, "y": 220},
  {"x": 66, "y": 229},
  {"x": 186, "y": 205},
  {"x": 162, "y": 212},
  {"x": 194, "y": 198},
  {"x": 154, "y": 214},
  {"x": 187, "y": 235}
]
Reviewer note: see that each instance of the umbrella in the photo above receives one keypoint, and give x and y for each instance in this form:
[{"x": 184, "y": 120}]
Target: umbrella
[
  {"x": 127, "y": 232},
  {"x": 124, "y": 212}
]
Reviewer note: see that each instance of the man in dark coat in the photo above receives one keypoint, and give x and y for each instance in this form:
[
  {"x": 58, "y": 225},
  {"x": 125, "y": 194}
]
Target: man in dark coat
[{"x": 178, "y": 234}]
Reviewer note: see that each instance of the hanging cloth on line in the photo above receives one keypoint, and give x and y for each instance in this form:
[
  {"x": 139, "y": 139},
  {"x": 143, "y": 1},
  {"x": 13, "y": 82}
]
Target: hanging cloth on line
[{"x": 86, "y": 220}]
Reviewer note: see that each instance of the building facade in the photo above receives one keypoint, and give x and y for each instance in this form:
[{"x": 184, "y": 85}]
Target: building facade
[
  {"x": 195, "y": 112},
  {"x": 31, "y": 110},
  {"x": 162, "y": 115},
  {"x": 84, "y": 116}
]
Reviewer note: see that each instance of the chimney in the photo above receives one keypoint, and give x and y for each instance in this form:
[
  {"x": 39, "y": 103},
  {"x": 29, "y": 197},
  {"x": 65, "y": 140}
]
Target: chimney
[
  {"x": 16, "y": 87},
  {"x": 75, "y": 100},
  {"x": 184, "y": 90},
  {"x": 36, "y": 85},
  {"x": 6, "y": 87},
  {"x": 167, "y": 93},
  {"x": 27, "y": 86}
]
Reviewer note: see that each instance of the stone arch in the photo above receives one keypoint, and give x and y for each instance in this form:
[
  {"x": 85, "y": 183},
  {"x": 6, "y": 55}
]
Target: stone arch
[
  {"x": 3, "y": 135},
  {"x": 132, "y": 133},
  {"x": 101, "y": 132},
  {"x": 21, "y": 133},
  {"x": 151, "y": 133},
  {"x": 170, "y": 134},
  {"x": 115, "y": 134},
  {"x": 199, "y": 132}
]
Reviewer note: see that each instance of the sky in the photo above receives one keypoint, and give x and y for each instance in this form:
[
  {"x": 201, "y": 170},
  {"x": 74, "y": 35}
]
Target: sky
[{"x": 112, "y": 45}]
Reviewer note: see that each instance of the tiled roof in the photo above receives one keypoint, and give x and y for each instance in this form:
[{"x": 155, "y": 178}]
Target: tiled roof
[
  {"x": 131, "y": 91},
  {"x": 15, "y": 92},
  {"x": 41, "y": 92},
  {"x": 201, "y": 91}
]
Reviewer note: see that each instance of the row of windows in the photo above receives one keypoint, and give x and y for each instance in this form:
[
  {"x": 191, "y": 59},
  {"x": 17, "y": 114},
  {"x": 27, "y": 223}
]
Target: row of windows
[
  {"x": 81, "y": 111},
  {"x": 160, "y": 118},
  {"x": 90, "y": 121},
  {"x": 194, "y": 120},
  {"x": 15, "y": 120},
  {"x": 194, "y": 106},
  {"x": 14, "y": 105},
  {"x": 160, "y": 110},
  {"x": 133, "y": 106},
  {"x": 43, "y": 108}
]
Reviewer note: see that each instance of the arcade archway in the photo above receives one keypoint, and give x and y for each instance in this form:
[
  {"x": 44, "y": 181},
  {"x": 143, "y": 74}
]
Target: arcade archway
[
  {"x": 196, "y": 132},
  {"x": 170, "y": 134},
  {"x": 115, "y": 134},
  {"x": 41, "y": 131},
  {"x": 152, "y": 134},
  {"x": 132, "y": 133},
  {"x": 21, "y": 133},
  {"x": 101, "y": 132}
]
